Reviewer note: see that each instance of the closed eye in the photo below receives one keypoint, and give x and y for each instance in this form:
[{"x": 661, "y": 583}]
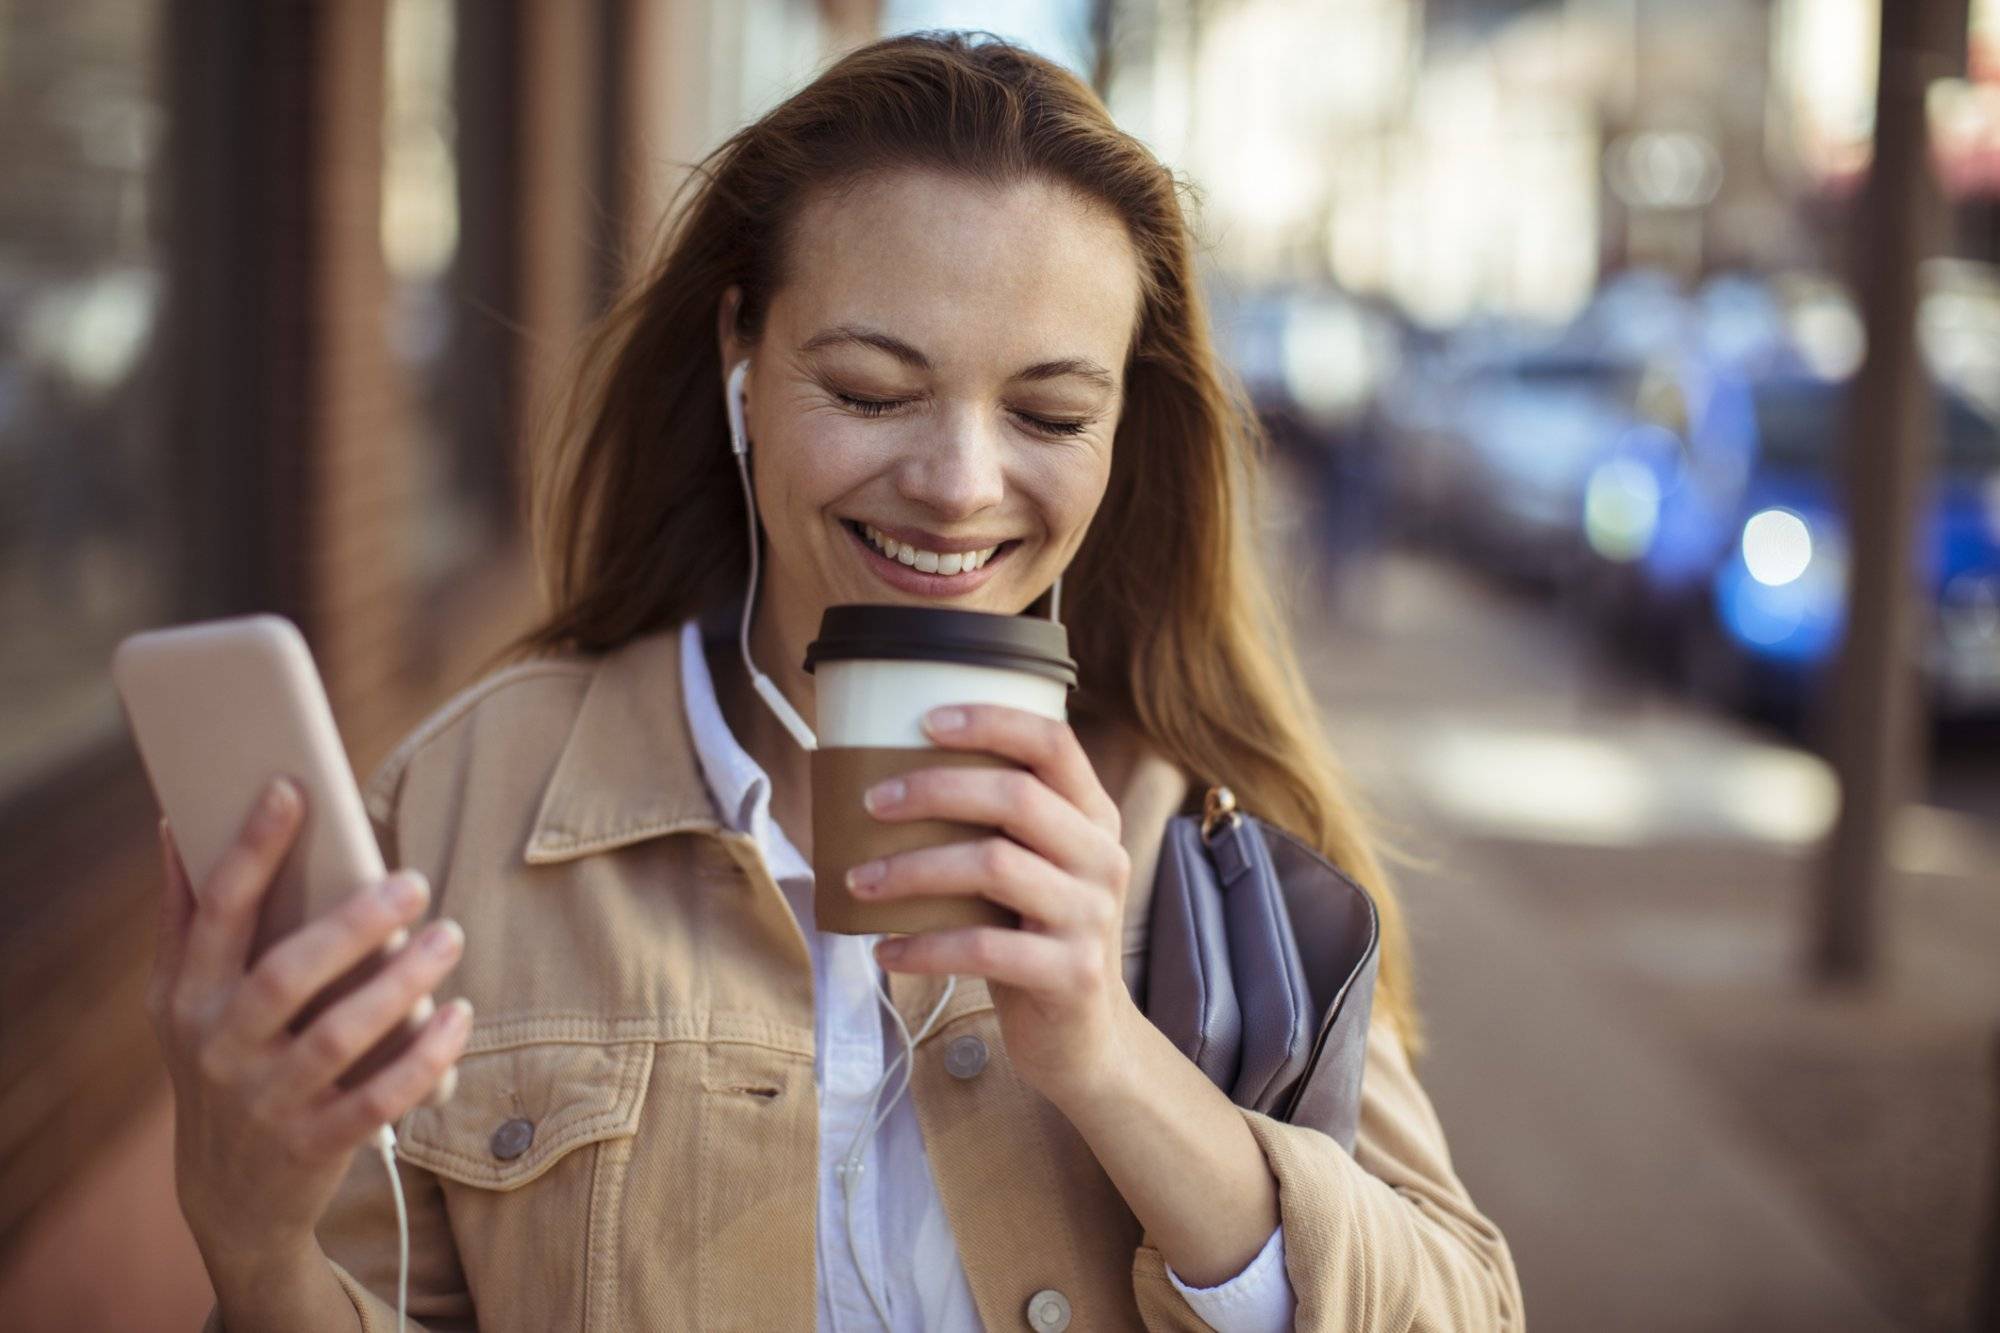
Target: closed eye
[
  {"x": 870, "y": 407},
  {"x": 875, "y": 407}
]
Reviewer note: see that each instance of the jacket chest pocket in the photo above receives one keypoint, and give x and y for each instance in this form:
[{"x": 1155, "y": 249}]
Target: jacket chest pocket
[{"x": 532, "y": 1152}]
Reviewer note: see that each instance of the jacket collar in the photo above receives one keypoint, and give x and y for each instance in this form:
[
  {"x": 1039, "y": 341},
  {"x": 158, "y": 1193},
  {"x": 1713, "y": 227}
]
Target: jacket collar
[{"x": 630, "y": 770}]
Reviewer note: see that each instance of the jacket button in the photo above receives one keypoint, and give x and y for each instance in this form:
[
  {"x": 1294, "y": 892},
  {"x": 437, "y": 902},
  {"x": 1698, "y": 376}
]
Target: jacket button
[
  {"x": 965, "y": 1056},
  {"x": 512, "y": 1138},
  {"x": 1048, "y": 1311}
]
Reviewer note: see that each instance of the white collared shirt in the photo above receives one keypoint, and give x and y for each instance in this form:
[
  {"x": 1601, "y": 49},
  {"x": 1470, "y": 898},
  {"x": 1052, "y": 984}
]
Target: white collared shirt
[{"x": 900, "y": 1226}]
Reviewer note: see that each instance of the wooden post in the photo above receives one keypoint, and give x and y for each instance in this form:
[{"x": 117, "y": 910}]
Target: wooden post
[
  {"x": 1874, "y": 733},
  {"x": 1986, "y": 1260},
  {"x": 1103, "y": 24}
]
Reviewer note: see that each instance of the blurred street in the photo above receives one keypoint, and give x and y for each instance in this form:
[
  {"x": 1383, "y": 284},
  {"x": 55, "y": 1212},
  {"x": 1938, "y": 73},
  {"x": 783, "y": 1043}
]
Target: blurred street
[{"x": 1672, "y": 1127}]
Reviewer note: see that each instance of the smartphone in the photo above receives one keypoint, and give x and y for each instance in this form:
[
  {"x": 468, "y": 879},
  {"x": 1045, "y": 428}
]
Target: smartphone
[{"x": 220, "y": 707}]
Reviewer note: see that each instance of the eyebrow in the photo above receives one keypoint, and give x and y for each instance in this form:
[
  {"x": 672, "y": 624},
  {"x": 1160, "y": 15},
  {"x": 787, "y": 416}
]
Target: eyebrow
[{"x": 916, "y": 360}]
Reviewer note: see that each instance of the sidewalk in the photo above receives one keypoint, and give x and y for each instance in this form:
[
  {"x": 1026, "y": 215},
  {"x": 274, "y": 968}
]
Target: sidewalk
[{"x": 1673, "y": 1129}]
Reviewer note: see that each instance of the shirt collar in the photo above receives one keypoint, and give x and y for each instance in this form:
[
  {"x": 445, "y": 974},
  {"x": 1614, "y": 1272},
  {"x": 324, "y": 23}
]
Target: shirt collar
[{"x": 740, "y": 787}]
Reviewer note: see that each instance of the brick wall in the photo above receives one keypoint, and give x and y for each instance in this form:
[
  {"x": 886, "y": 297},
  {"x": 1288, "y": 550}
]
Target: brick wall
[{"x": 292, "y": 427}]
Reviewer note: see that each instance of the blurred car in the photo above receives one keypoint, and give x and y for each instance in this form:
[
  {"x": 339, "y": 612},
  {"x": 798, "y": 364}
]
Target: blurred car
[
  {"x": 1654, "y": 507},
  {"x": 1495, "y": 438},
  {"x": 1746, "y": 548},
  {"x": 1495, "y": 468}
]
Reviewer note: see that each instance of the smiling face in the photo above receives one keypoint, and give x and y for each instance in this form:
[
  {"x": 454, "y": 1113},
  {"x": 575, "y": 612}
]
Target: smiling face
[{"x": 943, "y": 365}]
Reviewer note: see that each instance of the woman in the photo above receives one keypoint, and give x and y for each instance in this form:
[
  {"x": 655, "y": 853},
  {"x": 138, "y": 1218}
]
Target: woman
[{"x": 973, "y": 338}]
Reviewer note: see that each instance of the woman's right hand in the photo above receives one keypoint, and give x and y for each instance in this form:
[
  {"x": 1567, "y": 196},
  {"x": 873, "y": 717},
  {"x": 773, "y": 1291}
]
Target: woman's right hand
[{"x": 262, "y": 1133}]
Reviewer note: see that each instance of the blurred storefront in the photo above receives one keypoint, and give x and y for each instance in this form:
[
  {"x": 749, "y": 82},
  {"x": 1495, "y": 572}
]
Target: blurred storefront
[
  {"x": 283, "y": 289},
  {"x": 1476, "y": 158}
]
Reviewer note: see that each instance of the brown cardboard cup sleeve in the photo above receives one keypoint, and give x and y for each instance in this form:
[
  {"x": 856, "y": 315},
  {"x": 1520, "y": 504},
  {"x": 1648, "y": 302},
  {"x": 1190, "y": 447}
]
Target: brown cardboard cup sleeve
[{"x": 845, "y": 834}]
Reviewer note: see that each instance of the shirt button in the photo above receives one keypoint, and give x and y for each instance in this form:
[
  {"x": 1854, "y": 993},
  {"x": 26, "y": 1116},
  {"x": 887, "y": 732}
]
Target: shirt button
[
  {"x": 512, "y": 1138},
  {"x": 1048, "y": 1311},
  {"x": 965, "y": 1056}
]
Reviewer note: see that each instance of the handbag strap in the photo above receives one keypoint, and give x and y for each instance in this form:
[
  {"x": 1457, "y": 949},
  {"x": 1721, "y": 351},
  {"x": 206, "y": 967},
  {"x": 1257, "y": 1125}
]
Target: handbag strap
[
  {"x": 1218, "y": 804},
  {"x": 1220, "y": 816}
]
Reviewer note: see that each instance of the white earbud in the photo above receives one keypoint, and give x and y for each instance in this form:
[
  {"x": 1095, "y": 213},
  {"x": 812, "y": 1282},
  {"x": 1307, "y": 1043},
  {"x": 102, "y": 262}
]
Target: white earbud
[
  {"x": 739, "y": 445},
  {"x": 739, "y": 441}
]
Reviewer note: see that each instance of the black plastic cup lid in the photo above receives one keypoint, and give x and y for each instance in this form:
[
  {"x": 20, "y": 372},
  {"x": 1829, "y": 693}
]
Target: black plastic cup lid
[{"x": 880, "y": 632}]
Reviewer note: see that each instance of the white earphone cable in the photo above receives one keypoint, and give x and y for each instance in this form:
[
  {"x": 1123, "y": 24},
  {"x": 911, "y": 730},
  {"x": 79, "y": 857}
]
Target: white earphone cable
[
  {"x": 739, "y": 445},
  {"x": 385, "y": 1142},
  {"x": 851, "y": 1167}
]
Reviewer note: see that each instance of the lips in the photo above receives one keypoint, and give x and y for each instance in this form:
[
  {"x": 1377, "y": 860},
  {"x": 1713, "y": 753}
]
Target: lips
[{"x": 912, "y": 580}]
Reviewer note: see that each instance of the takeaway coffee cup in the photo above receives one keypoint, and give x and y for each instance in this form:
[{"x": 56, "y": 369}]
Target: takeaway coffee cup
[{"x": 877, "y": 669}]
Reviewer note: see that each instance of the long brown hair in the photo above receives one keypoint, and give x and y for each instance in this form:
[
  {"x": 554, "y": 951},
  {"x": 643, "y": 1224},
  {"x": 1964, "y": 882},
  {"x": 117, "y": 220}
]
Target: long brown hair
[{"x": 636, "y": 513}]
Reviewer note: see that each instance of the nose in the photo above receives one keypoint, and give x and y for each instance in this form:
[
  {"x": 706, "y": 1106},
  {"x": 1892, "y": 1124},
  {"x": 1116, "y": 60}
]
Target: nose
[{"x": 958, "y": 471}]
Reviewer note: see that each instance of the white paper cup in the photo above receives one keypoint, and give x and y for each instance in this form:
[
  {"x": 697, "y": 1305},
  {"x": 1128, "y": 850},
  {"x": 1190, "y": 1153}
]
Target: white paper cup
[{"x": 878, "y": 669}]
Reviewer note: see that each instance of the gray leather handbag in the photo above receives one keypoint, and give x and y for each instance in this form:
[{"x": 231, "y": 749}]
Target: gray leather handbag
[{"x": 1261, "y": 966}]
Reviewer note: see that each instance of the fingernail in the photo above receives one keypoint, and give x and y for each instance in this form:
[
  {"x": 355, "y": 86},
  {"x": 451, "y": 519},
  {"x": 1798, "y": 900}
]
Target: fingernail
[
  {"x": 888, "y": 951},
  {"x": 883, "y": 795},
  {"x": 441, "y": 937},
  {"x": 864, "y": 877},
  {"x": 458, "y": 1013},
  {"x": 276, "y": 806},
  {"x": 406, "y": 889},
  {"x": 945, "y": 719}
]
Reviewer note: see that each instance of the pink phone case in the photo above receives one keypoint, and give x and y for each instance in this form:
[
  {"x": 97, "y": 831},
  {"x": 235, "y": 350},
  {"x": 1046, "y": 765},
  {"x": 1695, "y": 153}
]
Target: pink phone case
[{"x": 220, "y": 707}]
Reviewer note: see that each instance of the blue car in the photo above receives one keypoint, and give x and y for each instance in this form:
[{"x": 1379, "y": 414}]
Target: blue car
[{"x": 1748, "y": 544}]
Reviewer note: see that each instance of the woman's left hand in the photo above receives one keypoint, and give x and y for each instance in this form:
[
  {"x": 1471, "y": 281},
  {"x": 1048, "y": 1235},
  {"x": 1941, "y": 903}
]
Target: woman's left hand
[{"x": 1058, "y": 981}]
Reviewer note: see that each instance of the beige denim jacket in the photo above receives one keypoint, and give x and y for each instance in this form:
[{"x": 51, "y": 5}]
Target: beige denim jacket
[{"x": 634, "y": 1139}]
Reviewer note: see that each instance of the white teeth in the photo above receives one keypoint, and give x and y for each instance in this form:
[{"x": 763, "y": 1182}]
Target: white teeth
[{"x": 930, "y": 562}]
